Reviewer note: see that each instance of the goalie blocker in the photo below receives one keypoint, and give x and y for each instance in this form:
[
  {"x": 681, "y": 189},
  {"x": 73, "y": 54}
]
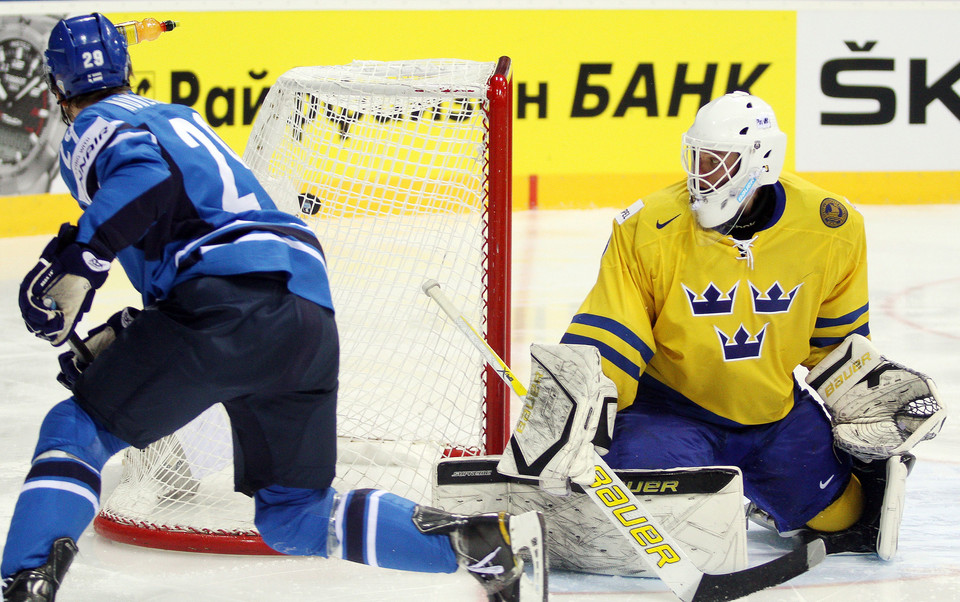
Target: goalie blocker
[
  {"x": 702, "y": 508},
  {"x": 560, "y": 425}
]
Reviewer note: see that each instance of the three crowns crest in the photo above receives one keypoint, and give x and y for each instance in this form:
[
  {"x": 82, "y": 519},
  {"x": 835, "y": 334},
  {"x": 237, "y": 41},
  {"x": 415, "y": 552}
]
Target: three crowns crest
[
  {"x": 743, "y": 344},
  {"x": 774, "y": 301}
]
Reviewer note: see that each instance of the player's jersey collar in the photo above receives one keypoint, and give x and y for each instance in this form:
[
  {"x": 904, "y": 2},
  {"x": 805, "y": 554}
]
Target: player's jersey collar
[{"x": 781, "y": 204}]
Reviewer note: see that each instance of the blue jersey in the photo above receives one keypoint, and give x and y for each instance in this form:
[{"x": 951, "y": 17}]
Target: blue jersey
[{"x": 166, "y": 197}]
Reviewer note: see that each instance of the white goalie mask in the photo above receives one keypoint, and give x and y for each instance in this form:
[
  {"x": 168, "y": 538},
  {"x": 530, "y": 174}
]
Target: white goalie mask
[{"x": 733, "y": 147}]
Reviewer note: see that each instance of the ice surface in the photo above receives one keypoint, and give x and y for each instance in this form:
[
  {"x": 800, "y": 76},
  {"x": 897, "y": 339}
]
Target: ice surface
[{"x": 915, "y": 288}]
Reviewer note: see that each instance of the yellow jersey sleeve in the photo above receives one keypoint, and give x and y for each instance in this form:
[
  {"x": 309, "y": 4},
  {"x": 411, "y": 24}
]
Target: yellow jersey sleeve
[
  {"x": 616, "y": 318},
  {"x": 845, "y": 309}
]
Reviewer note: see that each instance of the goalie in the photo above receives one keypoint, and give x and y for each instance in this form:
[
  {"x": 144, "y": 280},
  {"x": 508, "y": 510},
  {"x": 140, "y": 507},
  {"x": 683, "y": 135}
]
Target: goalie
[{"x": 710, "y": 294}]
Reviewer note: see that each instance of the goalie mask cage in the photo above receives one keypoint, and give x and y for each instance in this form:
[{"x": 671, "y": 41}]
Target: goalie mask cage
[{"x": 403, "y": 169}]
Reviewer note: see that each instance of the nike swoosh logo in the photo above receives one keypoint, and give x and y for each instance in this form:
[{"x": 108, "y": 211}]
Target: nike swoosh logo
[
  {"x": 823, "y": 484},
  {"x": 661, "y": 225}
]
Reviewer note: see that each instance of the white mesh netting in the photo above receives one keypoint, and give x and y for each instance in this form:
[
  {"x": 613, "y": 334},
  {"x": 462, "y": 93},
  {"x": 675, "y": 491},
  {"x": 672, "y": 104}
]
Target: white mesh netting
[{"x": 387, "y": 162}]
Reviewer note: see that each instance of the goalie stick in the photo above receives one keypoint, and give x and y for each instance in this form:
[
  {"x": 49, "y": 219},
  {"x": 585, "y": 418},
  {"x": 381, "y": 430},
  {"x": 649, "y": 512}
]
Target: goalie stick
[{"x": 653, "y": 543}]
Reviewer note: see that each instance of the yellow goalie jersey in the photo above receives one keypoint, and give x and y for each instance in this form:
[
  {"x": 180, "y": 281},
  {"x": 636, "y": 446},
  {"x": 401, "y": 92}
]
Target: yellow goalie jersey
[{"x": 725, "y": 322}]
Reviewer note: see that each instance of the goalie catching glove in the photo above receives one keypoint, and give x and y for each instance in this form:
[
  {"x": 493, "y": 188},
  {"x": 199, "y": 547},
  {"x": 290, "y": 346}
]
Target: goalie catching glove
[
  {"x": 554, "y": 437},
  {"x": 879, "y": 408},
  {"x": 98, "y": 339},
  {"x": 60, "y": 288}
]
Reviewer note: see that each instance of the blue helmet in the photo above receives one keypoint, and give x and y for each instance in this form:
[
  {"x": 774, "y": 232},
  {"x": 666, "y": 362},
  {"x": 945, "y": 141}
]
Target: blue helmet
[{"x": 86, "y": 54}]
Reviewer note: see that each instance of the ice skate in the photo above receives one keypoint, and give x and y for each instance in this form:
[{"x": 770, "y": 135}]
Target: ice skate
[
  {"x": 41, "y": 584},
  {"x": 488, "y": 546}
]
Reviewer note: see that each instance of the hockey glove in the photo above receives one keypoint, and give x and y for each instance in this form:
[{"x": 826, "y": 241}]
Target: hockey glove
[
  {"x": 878, "y": 408},
  {"x": 59, "y": 289},
  {"x": 98, "y": 339}
]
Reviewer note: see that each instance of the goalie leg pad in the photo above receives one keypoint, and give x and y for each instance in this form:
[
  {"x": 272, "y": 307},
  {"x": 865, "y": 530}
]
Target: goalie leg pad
[
  {"x": 701, "y": 507},
  {"x": 891, "y": 512},
  {"x": 878, "y": 529}
]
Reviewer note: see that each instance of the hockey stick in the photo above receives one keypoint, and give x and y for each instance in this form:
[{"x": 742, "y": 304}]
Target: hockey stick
[
  {"x": 651, "y": 541},
  {"x": 80, "y": 348}
]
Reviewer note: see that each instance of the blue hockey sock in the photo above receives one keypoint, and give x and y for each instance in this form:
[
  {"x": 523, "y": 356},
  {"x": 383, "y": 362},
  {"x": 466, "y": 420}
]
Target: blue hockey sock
[
  {"x": 61, "y": 493},
  {"x": 372, "y": 527},
  {"x": 376, "y": 528},
  {"x": 294, "y": 521},
  {"x": 60, "y": 497}
]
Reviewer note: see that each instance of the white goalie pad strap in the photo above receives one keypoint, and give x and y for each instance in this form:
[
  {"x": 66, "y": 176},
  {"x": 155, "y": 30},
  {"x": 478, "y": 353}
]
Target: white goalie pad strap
[
  {"x": 702, "y": 508},
  {"x": 553, "y": 438},
  {"x": 879, "y": 408}
]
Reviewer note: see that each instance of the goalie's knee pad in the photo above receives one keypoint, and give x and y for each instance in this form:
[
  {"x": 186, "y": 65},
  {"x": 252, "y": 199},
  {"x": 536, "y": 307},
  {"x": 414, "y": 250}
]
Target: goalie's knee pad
[{"x": 67, "y": 428}]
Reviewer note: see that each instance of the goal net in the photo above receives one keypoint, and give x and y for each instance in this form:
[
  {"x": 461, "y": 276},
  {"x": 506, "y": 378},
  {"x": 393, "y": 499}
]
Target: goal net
[{"x": 403, "y": 170}]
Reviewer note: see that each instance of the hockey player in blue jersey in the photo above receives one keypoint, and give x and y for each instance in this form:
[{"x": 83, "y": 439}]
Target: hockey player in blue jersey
[{"x": 237, "y": 309}]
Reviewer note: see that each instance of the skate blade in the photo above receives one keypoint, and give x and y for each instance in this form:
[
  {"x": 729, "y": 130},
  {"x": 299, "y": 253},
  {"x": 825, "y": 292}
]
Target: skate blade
[{"x": 528, "y": 542}]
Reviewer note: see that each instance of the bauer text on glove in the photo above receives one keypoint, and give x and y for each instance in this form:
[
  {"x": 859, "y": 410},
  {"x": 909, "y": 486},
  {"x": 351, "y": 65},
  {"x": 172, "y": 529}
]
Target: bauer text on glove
[{"x": 878, "y": 407}]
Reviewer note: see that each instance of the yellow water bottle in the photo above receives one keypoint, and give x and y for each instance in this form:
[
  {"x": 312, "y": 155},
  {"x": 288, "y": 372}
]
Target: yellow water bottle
[{"x": 142, "y": 31}]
